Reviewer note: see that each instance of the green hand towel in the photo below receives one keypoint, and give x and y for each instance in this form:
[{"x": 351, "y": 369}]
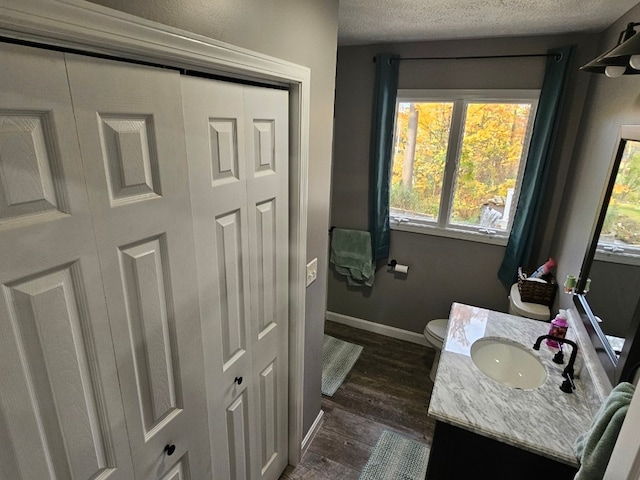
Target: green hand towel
[
  {"x": 351, "y": 255},
  {"x": 594, "y": 447}
]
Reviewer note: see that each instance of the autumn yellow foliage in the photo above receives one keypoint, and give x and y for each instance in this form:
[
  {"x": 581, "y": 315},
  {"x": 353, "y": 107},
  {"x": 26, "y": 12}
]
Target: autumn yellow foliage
[{"x": 487, "y": 158}]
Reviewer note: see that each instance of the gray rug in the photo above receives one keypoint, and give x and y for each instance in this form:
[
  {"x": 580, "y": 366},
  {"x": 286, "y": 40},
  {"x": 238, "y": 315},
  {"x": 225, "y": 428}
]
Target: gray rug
[
  {"x": 396, "y": 458},
  {"x": 338, "y": 358}
]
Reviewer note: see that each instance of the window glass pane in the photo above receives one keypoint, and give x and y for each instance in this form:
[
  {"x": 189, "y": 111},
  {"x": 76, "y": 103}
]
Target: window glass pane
[
  {"x": 488, "y": 164},
  {"x": 621, "y": 228},
  {"x": 421, "y": 140}
]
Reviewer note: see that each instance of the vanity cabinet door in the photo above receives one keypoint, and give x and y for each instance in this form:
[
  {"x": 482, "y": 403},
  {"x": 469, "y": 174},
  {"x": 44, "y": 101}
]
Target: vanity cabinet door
[{"x": 457, "y": 453}]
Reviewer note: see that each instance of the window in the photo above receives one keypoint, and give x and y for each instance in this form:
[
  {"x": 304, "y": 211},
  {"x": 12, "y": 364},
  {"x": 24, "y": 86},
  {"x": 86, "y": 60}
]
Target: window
[
  {"x": 458, "y": 161},
  {"x": 619, "y": 239}
]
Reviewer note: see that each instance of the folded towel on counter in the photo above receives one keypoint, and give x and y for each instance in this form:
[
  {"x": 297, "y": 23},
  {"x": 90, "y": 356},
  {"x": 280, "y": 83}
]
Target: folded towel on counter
[
  {"x": 593, "y": 448},
  {"x": 351, "y": 256}
]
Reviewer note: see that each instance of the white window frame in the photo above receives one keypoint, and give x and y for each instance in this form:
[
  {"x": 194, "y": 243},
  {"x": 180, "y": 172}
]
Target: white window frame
[
  {"x": 606, "y": 252},
  {"x": 461, "y": 98}
]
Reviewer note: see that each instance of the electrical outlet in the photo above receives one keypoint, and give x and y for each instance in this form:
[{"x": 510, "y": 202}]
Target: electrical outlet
[{"x": 312, "y": 271}]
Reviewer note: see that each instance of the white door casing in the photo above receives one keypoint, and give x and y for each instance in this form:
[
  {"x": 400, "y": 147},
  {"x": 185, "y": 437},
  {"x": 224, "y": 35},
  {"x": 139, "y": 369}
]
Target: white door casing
[
  {"x": 238, "y": 165},
  {"x": 131, "y": 134},
  {"x": 61, "y": 413}
]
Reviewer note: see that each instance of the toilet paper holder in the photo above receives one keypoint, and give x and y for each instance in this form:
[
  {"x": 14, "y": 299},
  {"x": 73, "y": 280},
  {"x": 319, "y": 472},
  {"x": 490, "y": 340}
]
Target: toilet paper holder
[{"x": 397, "y": 267}]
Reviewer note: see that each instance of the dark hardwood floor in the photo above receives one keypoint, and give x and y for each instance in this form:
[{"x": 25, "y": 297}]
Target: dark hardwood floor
[{"x": 387, "y": 389}]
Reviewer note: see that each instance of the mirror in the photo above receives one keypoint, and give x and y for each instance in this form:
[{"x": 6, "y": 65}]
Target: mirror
[{"x": 609, "y": 303}]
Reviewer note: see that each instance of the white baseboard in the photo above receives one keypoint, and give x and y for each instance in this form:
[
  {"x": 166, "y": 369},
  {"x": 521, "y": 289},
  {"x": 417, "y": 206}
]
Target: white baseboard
[
  {"x": 308, "y": 438},
  {"x": 379, "y": 328}
]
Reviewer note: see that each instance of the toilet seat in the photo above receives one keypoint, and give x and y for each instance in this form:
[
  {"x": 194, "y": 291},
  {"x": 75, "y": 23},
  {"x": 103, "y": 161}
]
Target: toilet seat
[
  {"x": 527, "y": 309},
  {"x": 436, "y": 331}
]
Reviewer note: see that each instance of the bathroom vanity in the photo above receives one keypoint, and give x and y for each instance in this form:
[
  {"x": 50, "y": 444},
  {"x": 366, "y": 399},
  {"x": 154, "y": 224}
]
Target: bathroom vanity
[{"x": 485, "y": 428}]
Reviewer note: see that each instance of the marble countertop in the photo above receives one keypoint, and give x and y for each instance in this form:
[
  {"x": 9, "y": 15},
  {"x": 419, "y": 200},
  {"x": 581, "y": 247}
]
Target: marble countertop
[{"x": 544, "y": 420}]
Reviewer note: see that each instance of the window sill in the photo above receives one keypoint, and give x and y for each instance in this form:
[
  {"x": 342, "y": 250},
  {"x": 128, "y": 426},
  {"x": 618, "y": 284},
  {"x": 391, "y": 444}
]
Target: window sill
[
  {"x": 471, "y": 236},
  {"x": 618, "y": 257}
]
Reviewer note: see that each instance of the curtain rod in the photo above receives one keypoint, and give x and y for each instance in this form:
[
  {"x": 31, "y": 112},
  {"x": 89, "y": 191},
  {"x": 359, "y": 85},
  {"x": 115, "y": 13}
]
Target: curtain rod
[{"x": 557, "y": 56}]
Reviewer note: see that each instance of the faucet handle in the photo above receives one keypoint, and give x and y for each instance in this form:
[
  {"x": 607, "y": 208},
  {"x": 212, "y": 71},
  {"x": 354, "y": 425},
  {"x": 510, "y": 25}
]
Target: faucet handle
[{"x": 568, "y": 386}]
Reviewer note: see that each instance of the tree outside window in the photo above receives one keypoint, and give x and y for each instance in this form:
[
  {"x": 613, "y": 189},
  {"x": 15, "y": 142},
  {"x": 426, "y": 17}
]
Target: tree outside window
[{"x": 621, "y": 228}]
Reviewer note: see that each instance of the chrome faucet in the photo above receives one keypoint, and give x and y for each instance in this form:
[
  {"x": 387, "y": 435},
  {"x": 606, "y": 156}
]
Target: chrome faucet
[{"x": 567, "y": 386}]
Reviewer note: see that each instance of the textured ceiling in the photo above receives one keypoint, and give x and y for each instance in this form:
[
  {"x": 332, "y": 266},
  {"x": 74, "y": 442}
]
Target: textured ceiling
[{"x": 385, "y": 21}]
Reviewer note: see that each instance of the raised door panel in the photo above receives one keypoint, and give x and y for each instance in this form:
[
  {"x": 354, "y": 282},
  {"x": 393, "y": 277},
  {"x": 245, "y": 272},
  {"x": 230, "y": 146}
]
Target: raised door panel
[
  {"x": 269, "y": 392},
  {"x": 215, "y": 152},
  {"x": 265, "y": 274},
  {"x": 229, "y": 261},
  {"x": 61, "y": 413},
  {"x": 130, "y": 158},
  {"x": 133, "y": 150},
  {"x": 266, "y": 127},
  {"x": 238, "y": 436},
  {"x": 27, "y": 182},
  {"x": 148, "y": 317},
  {"x": 179, "y": 471},
  {"x": 54, "y": 418}
]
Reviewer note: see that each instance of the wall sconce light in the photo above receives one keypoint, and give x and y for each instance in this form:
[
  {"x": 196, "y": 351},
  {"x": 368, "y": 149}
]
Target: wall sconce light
[{"x": 623, "y": 59}]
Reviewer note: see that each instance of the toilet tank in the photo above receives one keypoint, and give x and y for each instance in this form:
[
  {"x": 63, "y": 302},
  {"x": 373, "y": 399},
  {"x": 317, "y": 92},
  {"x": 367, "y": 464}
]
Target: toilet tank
[{"x": 527, "y": 309}]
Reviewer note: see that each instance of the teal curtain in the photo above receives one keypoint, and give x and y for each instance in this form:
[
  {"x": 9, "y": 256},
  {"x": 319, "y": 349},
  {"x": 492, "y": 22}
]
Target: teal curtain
[
  {"x": 381, "y": 150},
  {"x": 534, "y": 182}
]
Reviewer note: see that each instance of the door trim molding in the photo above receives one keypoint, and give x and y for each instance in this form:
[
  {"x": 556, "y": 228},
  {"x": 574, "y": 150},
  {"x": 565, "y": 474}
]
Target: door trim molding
[
  {"x": 93, "y": 29},
  {"x": 311, "y": 434}
]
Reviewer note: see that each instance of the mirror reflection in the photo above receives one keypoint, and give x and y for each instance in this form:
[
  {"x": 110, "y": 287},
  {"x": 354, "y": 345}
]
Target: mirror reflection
[
  {"x": 615, "y": 271},
  {"x": 611, "y": 309}
]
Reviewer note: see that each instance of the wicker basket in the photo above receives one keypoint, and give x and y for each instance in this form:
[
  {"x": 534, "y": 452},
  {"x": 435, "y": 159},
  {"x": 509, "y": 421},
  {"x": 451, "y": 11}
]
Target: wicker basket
[{"x": 536, "y": 292}]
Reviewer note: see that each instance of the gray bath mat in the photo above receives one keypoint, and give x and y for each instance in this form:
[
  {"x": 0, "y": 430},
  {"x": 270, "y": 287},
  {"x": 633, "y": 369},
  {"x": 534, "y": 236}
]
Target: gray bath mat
[
  {"x": 338, "y": 358},
  {"x": 396, "y": 458}
]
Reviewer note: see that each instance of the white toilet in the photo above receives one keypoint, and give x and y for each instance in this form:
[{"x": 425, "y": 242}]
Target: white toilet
[
  {"x": 526, "y": 309},
  {"x": 436, "y": 330}
]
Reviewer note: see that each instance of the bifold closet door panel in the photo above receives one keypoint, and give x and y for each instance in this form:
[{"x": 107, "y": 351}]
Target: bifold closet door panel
[
  {"x": 266, "y": 113},
  {"x": 238, "y": 166},
  {"x": 215, "y": 151},
  {"x": 131, "y": 134},
  {"x": 61, "y": 413}
]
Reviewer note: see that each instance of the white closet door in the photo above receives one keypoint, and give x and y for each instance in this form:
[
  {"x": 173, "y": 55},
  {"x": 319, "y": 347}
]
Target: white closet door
[
  {"x": 240, "y": 246},
  {"x": 131, "y": 134},
  {"x": 266, "y": 126},
  {"x": 61, "y": 413},
  {"x": 215, "y": 152}
]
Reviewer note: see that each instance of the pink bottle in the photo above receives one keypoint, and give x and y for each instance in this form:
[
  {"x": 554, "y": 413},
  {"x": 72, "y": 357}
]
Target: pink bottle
[
  {"x": 558, "y": 329},
  {"x": 544, "y": 269}
]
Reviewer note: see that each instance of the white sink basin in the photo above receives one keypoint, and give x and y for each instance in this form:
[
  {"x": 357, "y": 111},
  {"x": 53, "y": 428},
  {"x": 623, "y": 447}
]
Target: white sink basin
[{"x": 508, "y": 363}]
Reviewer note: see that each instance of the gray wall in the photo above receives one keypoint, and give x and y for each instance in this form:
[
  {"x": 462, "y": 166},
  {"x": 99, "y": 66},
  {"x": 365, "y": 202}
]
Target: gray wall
[
  {"x": 304, "y": 33},
  {"x": 442, "y": 270},
  {"x": 611, "y": 103}
]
